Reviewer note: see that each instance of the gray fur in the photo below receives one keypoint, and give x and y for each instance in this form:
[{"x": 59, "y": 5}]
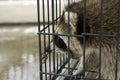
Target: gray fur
[{"x": 108, "y": 44}]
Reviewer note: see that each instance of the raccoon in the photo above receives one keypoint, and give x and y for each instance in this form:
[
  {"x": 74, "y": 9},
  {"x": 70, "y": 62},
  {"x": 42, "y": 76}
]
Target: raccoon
[{"x": 101, "y": 18}]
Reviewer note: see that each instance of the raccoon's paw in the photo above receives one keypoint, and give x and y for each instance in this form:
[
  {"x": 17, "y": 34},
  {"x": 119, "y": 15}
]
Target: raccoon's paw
[{"x": 79, "y": 67}]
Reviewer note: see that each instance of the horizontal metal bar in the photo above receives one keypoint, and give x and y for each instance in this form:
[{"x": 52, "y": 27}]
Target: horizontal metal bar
[
  {"x": 72, "y": 76},
  {"x": 100, "y": 35},
  {"x": 83, "y": 34},
  {"x": 67, "y": 35},
  {"x": 71, "y": 68},
  {"x": 92, "y": 71}
]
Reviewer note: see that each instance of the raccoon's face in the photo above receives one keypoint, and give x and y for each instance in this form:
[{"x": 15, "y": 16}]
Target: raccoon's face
[
  {"x": 67, "y": 24},
  {"x": 72, "y": 22}
]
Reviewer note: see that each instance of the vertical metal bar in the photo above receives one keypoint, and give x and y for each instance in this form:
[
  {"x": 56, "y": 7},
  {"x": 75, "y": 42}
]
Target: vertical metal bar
[
  {"x": 60, "y": 57},
  {"x": 100, "y": 38},
  {"x": 49, "y": 37},
  {"x": 53, "y": 32},
  {"x": 38, "y": 15},
  {"x": 117, "y": 44},
  {"x": 56, "y": 23},
  {"x": 39, "y": 39},
  {"x": 84, "y": 38},
  {"x": 43, "y": 4},
  {"x": 69, "y": 71},
  {"x": 57, "y": 62},
  {"x": 63, "y": 57},
  {"x": 56, "y": 9},
  {"x": 117, "y": 51},
  {"x": 60, "y": 60},
  {"x": 59, "y": 7}
]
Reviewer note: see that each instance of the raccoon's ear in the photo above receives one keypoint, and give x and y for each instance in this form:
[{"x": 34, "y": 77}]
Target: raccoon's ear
[{"x": 71, "y": 18}]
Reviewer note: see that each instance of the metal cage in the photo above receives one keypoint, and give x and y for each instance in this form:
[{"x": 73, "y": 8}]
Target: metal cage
[{"x": 57, "y": 65}]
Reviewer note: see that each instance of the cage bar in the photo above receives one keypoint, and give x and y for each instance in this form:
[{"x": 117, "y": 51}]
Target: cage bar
[{"x": 56, "y": 65}]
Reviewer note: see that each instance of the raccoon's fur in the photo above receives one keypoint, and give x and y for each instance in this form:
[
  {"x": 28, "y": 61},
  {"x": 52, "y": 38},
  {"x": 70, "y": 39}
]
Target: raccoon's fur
[{"x": 105, "y": 22}]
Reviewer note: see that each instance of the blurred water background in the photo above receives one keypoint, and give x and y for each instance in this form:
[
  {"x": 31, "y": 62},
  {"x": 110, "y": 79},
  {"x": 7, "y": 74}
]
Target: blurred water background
[{"x": 19, "y": 53}]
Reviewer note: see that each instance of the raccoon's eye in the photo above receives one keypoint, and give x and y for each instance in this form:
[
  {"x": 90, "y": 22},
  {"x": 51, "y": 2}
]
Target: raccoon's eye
[{"x": 59, "y": 43}]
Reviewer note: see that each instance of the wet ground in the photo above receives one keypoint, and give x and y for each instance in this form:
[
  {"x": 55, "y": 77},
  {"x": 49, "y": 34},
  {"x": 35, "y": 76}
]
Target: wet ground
[{"x": 19, "y": 53}]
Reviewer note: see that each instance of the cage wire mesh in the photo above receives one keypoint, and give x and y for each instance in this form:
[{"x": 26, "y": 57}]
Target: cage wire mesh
[{"x": 56, "y": 61}]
